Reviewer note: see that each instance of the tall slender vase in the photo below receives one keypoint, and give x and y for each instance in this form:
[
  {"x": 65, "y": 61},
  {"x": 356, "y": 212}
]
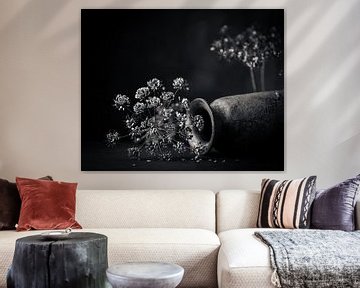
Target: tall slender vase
[{"x": 241, "y": 124}]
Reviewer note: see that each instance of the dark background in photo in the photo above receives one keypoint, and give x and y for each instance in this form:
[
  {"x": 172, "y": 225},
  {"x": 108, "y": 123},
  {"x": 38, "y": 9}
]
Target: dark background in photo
[{"x": 121, "y": 49}]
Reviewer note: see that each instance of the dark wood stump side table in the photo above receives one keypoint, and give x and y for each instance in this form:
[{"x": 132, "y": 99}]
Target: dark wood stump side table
[{"x": 79, "y": 261}]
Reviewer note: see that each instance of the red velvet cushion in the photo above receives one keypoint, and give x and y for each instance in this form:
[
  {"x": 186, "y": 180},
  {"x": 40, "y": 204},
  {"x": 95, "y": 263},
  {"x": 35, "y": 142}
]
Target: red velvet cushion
[
  {"x": 46, "y": 204},
  {"x": 10, "y": 204}
]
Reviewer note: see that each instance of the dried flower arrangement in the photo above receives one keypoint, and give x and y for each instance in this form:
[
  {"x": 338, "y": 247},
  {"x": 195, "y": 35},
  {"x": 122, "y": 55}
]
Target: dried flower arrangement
[
  {"x": 159, "y": 122},
  {"x": 252, "y": 47}
]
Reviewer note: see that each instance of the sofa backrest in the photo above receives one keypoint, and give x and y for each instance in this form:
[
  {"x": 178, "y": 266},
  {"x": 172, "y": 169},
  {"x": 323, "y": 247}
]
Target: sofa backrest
[
  {"x": 146, "y": 209},
  {"x": 236, "y": 209},
  {"x": 239, "y": 209}
]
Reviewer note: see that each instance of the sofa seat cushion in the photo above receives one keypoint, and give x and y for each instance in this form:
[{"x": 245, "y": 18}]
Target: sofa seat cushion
[
  {"x": 194, "y": 249},
  {"x": 244, "y": 261}
]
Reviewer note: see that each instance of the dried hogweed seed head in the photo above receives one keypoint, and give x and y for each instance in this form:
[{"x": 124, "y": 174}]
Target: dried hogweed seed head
[
  {"x": 121, "y": 102},
  {"x": 139, "y": 108},
  {"x": 112, "y": 137},
  {"x": 153, "y": 102},
  {"x": 180, "y": 84},
  {"x": 167, "y": 96},
  {"x": 142, "y": 93},
  {"x": 154, "y": 84}
]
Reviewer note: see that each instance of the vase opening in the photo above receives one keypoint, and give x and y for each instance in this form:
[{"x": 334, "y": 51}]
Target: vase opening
[{"x": 205, "y": 136}]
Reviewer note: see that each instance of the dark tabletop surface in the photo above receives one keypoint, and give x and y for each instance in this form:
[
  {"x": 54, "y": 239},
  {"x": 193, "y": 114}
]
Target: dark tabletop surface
[{"x": 73, "y": 237}]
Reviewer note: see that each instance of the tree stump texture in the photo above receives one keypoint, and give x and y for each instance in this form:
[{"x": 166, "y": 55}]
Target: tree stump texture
[{"x": 79, "y": 261}]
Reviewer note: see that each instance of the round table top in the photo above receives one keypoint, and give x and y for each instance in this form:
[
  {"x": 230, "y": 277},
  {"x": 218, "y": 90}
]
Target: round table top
[
  {"x": 73, "y": 237},
  {"x": 146, "y": 270}
]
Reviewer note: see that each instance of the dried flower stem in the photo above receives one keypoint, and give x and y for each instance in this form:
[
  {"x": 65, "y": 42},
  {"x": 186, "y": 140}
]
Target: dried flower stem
[
  {"x": 253, "y": 79},
  {"x": 262, "y": 76}
]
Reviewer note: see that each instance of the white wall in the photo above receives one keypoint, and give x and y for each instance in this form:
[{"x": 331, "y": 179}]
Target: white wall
[{"x": 40, "y": 93}]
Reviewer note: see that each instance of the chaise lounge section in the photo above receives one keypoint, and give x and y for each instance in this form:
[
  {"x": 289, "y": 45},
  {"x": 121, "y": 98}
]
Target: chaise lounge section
[{"x": 244, "y": 260}]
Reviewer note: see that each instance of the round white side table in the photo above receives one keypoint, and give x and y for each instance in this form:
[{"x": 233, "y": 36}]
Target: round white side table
[{"x": 145, "y": 275}]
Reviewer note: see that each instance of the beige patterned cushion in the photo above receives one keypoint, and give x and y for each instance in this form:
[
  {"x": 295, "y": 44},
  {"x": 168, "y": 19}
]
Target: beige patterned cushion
[
  {"x": 194, "y": 249},
  {"x": 236, "y": 209},
  {"x": 244, "y": 261},
  {"x": 286, "y": 204},
  {"x": 146, "y": 209}
]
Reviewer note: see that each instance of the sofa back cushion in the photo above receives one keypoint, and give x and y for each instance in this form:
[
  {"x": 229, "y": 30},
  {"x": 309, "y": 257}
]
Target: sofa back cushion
[
  {"x": 286, "y": 203},
  {"x": 236, "y": 209},
  {"x": 334, "y": 207},
  {"x": 146, "y": 209}
]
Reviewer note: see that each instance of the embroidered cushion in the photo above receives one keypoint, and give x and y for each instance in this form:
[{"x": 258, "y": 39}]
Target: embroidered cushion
[{"x": 286, "y": 204}]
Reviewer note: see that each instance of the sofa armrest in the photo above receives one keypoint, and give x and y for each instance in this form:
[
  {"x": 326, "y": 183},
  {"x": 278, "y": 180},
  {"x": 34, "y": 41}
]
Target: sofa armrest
[{"x": 357, "y": 215}]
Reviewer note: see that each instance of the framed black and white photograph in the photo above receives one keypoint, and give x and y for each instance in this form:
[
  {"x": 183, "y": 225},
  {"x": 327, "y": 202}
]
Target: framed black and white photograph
[{"x": 182, "y": 90}]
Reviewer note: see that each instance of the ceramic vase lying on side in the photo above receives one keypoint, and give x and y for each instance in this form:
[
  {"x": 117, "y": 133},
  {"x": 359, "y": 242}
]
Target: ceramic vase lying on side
[{"x": 241, "y": 124}]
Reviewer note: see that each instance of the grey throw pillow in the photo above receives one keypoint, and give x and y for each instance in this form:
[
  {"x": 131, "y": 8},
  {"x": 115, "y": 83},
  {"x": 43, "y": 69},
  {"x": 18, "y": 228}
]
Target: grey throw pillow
[{"x": 334, "y": 208}]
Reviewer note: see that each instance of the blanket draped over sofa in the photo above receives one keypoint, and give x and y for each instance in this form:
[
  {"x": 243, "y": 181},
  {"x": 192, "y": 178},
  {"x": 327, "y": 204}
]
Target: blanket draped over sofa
[{"x": 314, "y": 258}]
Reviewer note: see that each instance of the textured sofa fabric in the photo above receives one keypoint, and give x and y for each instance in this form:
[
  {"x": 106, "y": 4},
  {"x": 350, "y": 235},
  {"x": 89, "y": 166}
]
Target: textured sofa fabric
[
  {"x": 236, "y": 209},
  {"x": 243, "y": 261},
  {"x": 175, "y": 226},
  {"x": 146, "y": 209},
  {"x": 194, "y": 249}
]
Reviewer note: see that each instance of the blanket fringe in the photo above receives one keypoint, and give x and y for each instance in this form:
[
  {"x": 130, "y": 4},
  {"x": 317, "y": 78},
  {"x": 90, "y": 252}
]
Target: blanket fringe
[{"x": 275, "y": 280}]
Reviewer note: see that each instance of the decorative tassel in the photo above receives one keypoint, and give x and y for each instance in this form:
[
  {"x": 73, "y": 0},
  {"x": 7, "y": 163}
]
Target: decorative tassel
[{"x": 275, "y": 280}]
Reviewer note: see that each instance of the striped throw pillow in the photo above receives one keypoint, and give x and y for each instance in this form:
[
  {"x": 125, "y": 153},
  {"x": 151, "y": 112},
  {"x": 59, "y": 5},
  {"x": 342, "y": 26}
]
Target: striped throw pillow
[{"x": 286, "y": 204}]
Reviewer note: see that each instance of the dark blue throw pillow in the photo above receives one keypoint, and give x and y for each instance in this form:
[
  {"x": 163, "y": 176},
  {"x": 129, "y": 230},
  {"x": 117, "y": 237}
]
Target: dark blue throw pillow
[{"x": 334, "y": 208}]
